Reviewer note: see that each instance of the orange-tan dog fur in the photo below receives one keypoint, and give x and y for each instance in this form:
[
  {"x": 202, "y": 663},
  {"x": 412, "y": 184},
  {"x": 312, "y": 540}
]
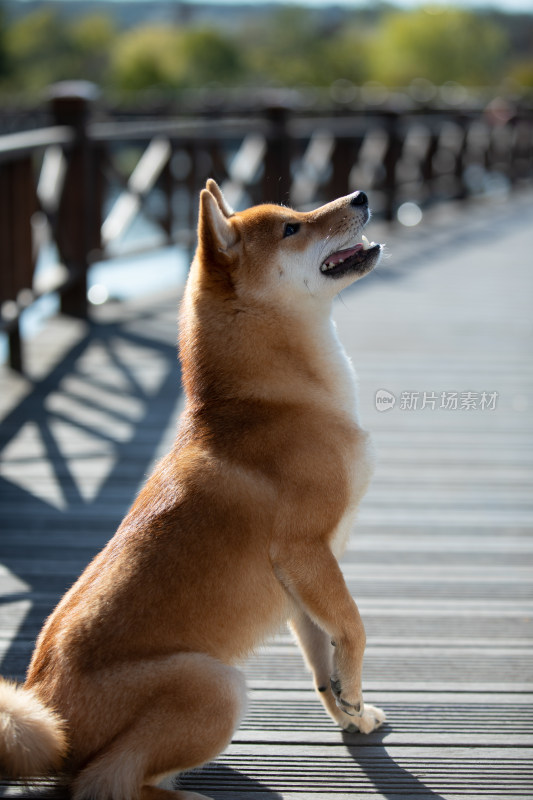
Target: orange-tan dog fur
[{"x": 238, "y": 530}]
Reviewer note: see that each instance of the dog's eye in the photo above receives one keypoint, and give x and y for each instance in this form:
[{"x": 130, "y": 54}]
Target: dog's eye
[{"x": 291, "y": 228}]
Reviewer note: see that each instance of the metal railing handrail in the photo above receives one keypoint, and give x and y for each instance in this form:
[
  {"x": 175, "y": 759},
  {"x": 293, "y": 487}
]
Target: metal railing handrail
[{"x": 279, "y": 154}]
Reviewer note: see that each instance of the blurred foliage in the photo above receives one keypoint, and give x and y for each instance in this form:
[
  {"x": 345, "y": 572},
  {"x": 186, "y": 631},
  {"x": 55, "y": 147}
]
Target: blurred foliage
[
  {"x": 4, "y": 68},
  {"x": 41, "y": 48},
  {"x": 291, "y": 46},
  {"x": 93, "y": 38},
  {"x": 38, "y": 51},
  {"x": 452, "y": 45},
  {"x": 159, "y": 56},
  {"x": 289, "y": 50},
  {"x": 145, "y": 57},
  {"x": 210, "y": 57},
  {"x": 521, "y": 72}
]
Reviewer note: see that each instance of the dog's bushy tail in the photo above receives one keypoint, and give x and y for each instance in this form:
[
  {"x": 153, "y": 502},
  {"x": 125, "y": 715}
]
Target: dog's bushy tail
[{"x": 33, "y": 741}]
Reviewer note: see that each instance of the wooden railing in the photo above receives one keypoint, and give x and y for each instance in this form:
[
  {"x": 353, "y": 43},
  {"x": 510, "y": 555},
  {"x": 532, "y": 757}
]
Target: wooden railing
[{"x": 84, "y": 181}]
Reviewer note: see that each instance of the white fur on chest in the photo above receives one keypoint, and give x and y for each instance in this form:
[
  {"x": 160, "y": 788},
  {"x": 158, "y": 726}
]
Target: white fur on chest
[
  {"x": 338, "y": 395},
  {"x": 343, "y": 379},
  {"x": 361, "y": 468}
]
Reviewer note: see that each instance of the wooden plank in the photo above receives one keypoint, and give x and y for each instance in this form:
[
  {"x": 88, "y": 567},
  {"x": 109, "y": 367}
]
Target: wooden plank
[
  {"x": 426, "y": 718},
  {"x": 353, "y": 771},
  {"x": 349, "y": 771},
  {"x": 440, "y": 665}
]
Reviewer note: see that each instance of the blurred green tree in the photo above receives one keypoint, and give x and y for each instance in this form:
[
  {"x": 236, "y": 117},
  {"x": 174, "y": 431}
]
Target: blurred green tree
[
  {"x": 210, "y": 57},
  {"x": 39, "y": 50},
  {"x": 146, "y": 57},
  {"x": 162, "y": 57},
  {"x": 348, "y": 53},
  {"x": 290, "y": 46},
  {"x": 4, "y": 60},
  {"x": 438, "y": 44},
  {"x": 521, "y": 72},
  {"x": 92, "y": 39},
  {"x": 289, "y": 49}
]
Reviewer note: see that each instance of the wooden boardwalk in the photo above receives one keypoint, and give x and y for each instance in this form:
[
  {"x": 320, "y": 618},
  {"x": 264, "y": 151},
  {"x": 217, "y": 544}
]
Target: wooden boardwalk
[{"x": 441, "y": 561}]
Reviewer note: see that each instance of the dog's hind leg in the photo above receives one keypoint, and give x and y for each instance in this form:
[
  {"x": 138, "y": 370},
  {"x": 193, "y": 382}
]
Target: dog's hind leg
[
  {"x": 192, "y": 704},
  {"x": 318, "y": 652}
]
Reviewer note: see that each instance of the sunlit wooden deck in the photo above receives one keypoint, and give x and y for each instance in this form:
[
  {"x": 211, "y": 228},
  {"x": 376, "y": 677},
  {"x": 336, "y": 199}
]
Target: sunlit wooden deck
[{"x": 440, "y": 562}]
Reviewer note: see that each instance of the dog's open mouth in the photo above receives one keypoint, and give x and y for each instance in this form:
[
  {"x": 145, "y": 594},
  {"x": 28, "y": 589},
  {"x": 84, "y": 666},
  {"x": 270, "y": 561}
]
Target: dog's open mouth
[{"x": 354, "y": 259}]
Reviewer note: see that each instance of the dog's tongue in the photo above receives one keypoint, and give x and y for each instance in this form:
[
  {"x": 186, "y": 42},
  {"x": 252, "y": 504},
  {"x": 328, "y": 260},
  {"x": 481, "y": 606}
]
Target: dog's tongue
[{"x": 342, "y": 255}]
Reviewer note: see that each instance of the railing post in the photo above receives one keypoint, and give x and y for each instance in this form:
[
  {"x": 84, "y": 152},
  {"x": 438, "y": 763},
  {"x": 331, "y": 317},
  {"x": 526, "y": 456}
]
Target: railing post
[
  {"x": 460, "y": 161},
  {"x": 78, "y": 215},
  {"x": 392, "y": 156},
  {"x": 345, "y": 155},
  {"x": 277, "y": 175},
  {"x": 17, "y": 205},
  {"x": 427, "y": 170}
]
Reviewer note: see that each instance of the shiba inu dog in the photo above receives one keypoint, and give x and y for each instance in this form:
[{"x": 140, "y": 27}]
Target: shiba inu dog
[{"x": 134, "y": 675}]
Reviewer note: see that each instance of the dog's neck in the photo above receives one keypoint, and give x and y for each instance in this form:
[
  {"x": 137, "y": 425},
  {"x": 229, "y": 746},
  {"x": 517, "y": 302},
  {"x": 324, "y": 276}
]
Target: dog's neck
[{"x": 265, "y": 346}]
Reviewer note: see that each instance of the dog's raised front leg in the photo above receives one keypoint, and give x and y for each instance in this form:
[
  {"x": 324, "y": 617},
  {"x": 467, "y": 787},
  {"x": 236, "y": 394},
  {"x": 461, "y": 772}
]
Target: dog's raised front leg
[
  {"x": 318, "y": 653},
  {"x": 314, "y": 579}
]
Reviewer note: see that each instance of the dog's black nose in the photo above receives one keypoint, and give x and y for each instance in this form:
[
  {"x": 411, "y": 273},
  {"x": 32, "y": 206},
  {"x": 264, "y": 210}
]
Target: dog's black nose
[{"x": 359, "y": 199}]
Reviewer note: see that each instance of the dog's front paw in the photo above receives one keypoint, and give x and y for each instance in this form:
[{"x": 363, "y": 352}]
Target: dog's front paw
[
  {"x": 353, "y": 706},
  {"x": 370, "y": 720}
]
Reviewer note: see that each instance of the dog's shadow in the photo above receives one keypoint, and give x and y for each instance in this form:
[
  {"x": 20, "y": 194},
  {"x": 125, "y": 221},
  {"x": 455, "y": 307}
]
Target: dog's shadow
[
  {"x": 222, "y": 782},
  {"x": 370, "y": 757},
  {"x": 214, "y": 780},
  {"x": 388, "y": 778}
]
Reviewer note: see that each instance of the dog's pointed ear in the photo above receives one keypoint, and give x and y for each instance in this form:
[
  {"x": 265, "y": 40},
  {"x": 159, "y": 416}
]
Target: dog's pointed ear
[
  {"x": 213, "y": 187},
  {"x": 215, "y": 231}
]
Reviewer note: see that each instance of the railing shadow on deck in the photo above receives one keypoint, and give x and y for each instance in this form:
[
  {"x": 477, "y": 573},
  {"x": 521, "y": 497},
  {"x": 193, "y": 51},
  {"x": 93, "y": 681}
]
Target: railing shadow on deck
[{"x": 117, "y": 440}]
